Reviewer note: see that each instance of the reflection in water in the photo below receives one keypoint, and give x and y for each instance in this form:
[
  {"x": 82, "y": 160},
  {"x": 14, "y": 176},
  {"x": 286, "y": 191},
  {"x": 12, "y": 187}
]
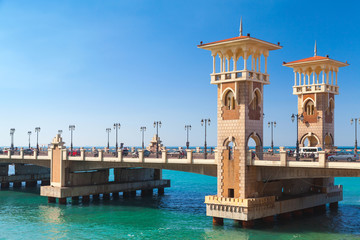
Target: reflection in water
[{"x": 52, "y": 216}]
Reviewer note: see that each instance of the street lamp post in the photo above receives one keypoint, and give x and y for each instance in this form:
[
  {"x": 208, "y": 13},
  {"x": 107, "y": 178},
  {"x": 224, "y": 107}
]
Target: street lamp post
[
  {"x": 355, "y": 120},
  {"x": 272, "y": 125},
  {"x": 37, "y": 130},
  {"x": 116, "y": 127},
  {"x": 71, "y": 128},
  {"x": 301, "y": 118},
  {"x": 60, "y": 132},
  {"x": 108, "y": 130},
  {"x": 29, "y": 133},
  {"x": 142, "y": 129},
  {"x": 157, "y": 124},
  {"x": 12, "y": 131},
  {"x": 187, "y": 128},
  {"x": 205, "y": 122}
]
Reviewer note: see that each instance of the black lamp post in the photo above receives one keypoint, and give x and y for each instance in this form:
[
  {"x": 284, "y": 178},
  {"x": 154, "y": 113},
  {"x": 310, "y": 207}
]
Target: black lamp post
[
  {"x": 71, "y": 128},
  {"x": 272, "y": 125},
  {"x": 157, "y": 124},
  {"x": 301, "y": 118},
  {"x": 355, "y": 120},
  {"x": 187, "y": 129},
  {"x": 108, "y": 130},
  {"x": 29, "y": 133},
  {"x": 205, "y": 122},
  {"x": 116, "y": 127},
  {"x": 37, "y": 130},
  {"x": 60, "y": 132},
  {"x": 12, "y": 131}
]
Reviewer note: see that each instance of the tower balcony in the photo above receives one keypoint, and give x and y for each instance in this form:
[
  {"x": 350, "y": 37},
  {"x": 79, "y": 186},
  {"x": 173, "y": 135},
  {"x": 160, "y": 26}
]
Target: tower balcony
[
  {"x": 316, "y": 88},
  {"x": 242, "y": 75}
]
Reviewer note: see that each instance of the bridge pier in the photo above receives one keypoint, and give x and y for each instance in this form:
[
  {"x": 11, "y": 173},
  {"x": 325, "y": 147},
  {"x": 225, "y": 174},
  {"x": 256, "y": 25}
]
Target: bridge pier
[{"x": 217, "y": 221}]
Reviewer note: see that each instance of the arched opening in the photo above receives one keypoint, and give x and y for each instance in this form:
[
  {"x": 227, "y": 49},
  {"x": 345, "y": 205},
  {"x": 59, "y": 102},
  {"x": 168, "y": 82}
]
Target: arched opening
[
  {"x": 254, "y": 146},
  {"x": 230, "y": 147},
  {"x": 256, "y": 100},
  {"x": 229, "y": 100},
  {"x": 309, "y": 107},
  {"x": 309, "y": 141}
]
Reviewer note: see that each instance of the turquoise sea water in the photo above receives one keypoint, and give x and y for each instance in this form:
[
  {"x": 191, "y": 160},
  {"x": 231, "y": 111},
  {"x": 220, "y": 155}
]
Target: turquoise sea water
[{"x": 179, "y": 214}]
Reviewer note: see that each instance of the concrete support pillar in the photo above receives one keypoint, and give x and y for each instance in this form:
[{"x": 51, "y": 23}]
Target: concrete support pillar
[
  {"x": 62, "y": 201},
  {"x": 228, "y": 64},
  {"x": 285, "y": 216},
  {"x": 269, "y": 219},
  {"x": 323, "y": 76},
  {"x": 297, "y": 214},
  {"x": 295, "y": 80},
  {"x": 218, "y": 221},
  {"x": 234, "y": 62},
  {"x": 115, "y": 195},
  {"x": 5, "y": 185},
  {"x": 16, "y": 184},
  {"x": 106, "y": 196},
  {"x": 146, "y": 192},
  {"x": 223, "y": 62},
  {"x": 161, "y": 191},
  {"x": 85, "y": 199},
  {"x": 247, "y": 224},
  {"x": 75, "y": 198},
  {"x": 133, "y": 194},
  {"x": 334, "y": 205},
  {"x": 31, "y": 183},
  {"x": 45, "y": 182},
  {"x": 320, "y": 209},
  {"x": 336, "y": 78},
  {"x": 309, "y": 211},
  {"x": 126, "y": 194},
  {"x": 51, "y": 200},
  {"x": 95, "y": 196}
]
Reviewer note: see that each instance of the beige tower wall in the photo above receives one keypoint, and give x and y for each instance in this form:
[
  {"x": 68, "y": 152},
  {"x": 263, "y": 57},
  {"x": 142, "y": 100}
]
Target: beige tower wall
[
  {"x": 321, "y": 123},
  {"x": 238, "y": 125}
]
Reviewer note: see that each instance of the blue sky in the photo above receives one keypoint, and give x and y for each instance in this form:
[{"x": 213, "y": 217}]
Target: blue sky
[{"x": 93, "y": 63}]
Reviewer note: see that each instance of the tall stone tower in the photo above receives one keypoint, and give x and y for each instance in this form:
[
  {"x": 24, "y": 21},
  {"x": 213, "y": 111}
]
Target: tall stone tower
[
  {"x": 316, "y": 86},
  {"x": 240, "y": 75}
]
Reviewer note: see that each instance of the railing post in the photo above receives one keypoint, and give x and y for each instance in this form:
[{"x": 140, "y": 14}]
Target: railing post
[
  {"x": 82, "y": 154},
  {"x": 283, "y": 157},
  {"x": 189, "y": 156},
  {"x": 164, "y": 155},
  {"x": 101, "y": 156},
  {"x": 141, "y": 155},
  {"x": 22, "y": 153},
  {"x": 35, "y": 154},
  {"x": 9, "y": 153},
  {"x": 322, "y": 159},
  {"x": 120, "y": 155}
]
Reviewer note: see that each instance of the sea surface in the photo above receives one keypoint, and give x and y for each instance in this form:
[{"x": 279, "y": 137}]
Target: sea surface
[{"x": 179, "y": 214}]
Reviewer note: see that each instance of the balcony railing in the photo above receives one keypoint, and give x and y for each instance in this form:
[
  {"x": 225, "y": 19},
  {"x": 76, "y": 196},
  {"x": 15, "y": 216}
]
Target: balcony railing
[
  {"x": 316, "y": 88},
  {"x": 240, "y": 75}
]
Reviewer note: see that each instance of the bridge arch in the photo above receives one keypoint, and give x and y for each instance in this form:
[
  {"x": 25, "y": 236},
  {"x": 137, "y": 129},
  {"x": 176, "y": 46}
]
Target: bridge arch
[
  {"x": 312, "y": 140},
  {"x": 258, "y": 144}
]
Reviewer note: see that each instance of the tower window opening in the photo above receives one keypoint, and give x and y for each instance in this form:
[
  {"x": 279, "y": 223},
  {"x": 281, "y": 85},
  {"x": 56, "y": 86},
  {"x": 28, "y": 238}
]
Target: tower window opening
[
  {"x": 231, "y": 150},
  {"x": 231, "y": 192},
  {"x": 230, "y": 100},
  {"x": 310, "y": 108},
  {"x": 255, "y": 101}
]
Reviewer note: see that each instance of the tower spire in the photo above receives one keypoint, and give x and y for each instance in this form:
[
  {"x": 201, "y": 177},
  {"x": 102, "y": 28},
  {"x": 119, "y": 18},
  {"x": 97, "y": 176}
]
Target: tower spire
[
  {"x": 315, "y": 50},
  {"x": 241, "y": 28}
]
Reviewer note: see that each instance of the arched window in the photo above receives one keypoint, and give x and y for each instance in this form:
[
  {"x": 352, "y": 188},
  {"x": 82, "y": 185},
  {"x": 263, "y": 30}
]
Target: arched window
[
  {"x": 310, "y": 107},
  {"x": 256, "y": 101},
  {"x": 331, "y": 107},
  {"x": 231, "y": 150},
  {"x": 229, "y": 100}
]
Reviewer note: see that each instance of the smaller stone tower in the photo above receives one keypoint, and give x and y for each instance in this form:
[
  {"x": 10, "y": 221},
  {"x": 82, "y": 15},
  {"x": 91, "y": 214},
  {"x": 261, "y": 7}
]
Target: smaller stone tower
[{"x": 316, "y": 86}]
